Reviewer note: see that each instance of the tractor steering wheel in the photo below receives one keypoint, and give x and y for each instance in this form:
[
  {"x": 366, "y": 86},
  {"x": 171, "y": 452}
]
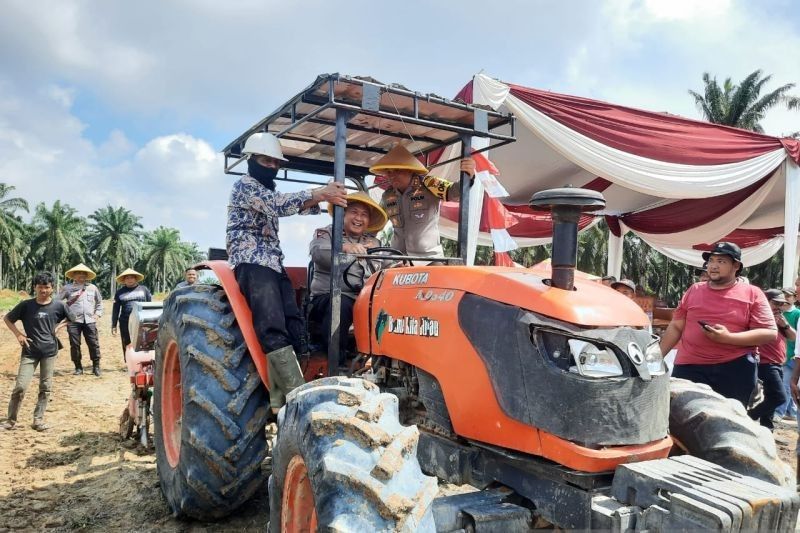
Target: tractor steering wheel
[{"x": 372, "y": 270}]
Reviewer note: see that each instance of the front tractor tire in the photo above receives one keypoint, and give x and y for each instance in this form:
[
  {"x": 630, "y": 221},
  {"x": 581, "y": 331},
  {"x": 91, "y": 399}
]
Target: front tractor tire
[
  {"x": 210, "y": 407},
  {"x": 343, "y": 462},
  {"x": 717, "y": 429}
]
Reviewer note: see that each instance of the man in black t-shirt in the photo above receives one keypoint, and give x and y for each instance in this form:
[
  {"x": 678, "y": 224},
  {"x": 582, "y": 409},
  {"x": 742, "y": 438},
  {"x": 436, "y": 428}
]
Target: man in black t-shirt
[{"x": 41, "y": 317}]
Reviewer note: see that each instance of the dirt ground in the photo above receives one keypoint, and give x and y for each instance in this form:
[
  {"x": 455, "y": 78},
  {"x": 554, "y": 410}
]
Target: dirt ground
[{"x": 79, "y": 475}]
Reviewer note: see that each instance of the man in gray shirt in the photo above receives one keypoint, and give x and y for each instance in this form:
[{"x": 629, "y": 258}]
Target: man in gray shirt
[
  {"x": 363, "y": 217},
  {"x": 85, "y": 304},
  {"x": 190, "y": 278}
]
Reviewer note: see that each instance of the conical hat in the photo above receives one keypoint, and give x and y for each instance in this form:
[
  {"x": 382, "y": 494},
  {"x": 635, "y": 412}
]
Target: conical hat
[
  {"x": 398, "y": 158},
  {"x": 377, "y": 216},
  {"x": 129, "y": 272},
  {"x": 80, "y": 267}
]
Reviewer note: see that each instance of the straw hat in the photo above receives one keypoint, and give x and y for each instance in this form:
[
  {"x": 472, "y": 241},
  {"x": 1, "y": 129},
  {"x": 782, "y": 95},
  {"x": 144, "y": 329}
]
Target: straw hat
[
  {"x": 129, "y": 272},
  {"x": 377, "y": 216},
  {"x": 400, "y": 159},
  {"x": 80, "y": 267}
]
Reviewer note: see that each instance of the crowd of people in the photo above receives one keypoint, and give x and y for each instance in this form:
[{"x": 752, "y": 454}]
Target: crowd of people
[
  {"x": 77, "y": 306},
  {"x": 728, "y": 334}
]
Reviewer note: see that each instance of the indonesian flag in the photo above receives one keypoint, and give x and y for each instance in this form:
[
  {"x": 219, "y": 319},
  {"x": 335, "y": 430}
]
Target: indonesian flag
[
  {"x": 495, "y": 214},
  {"x": 487, "y": 174}
]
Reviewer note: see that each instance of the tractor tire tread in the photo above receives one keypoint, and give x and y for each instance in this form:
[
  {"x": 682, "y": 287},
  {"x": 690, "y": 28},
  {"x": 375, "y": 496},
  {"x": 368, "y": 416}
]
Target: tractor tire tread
[
  {"x": 223, "y": 440},
  {"x": 349, "y": 435},
  {"x": 719, "y": 430}
]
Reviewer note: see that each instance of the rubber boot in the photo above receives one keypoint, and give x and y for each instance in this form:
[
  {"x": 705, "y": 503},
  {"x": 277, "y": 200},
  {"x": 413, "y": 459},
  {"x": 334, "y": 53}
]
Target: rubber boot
[{"x": 284, "y": 376}]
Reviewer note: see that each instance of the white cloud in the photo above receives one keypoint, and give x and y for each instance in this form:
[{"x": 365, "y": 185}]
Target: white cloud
[{"x": 108, "y": 103}]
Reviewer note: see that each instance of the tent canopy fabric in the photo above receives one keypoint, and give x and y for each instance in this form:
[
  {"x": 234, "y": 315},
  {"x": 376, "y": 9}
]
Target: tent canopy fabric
[{"x": 677, "y": 183}]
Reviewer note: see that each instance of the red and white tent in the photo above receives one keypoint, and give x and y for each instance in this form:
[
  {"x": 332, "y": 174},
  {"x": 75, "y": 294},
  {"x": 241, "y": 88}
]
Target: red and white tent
[{"x": 678, "y": 184}]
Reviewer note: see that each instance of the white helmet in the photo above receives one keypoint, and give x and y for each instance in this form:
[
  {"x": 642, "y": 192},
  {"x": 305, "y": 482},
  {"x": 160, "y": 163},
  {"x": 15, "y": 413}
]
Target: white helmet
[{"x": 265, "y": 144}]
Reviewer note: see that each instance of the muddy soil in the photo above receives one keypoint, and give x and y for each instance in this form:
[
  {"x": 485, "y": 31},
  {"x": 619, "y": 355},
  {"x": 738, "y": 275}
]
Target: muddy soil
[{"x": 79, "y": 475}]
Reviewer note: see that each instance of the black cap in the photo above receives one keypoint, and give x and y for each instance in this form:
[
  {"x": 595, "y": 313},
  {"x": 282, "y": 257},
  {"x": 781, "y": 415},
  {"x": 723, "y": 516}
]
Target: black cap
[
  {"x": 775, "y": 295},
  {"x": 724, "y": 248}
]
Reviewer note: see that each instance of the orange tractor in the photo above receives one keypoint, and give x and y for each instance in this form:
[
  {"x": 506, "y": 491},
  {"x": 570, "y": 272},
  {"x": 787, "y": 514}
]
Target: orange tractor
[{"x": 547, "y": 395}]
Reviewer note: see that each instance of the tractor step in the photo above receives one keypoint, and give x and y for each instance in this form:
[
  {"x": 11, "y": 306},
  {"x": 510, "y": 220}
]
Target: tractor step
[
  {"x": 687, "y": 493},
  {"x": 485, "y": 511}
]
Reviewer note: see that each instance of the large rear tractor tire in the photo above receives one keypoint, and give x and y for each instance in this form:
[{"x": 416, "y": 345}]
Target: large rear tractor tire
[
  {"x": 343, "y": 462},
  {"x": 210, "y": 407},
  {"x": 717, "y": 429}
]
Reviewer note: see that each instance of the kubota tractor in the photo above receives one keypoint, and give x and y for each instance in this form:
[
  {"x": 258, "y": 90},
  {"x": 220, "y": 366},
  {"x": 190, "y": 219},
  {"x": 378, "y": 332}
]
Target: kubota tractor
[{"x": 547, "y": 394}]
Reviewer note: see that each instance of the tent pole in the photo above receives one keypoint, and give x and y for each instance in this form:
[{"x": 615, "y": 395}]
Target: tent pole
[
  {"x": 791, "y": 220},
  {"x": 615, "y": 254}
]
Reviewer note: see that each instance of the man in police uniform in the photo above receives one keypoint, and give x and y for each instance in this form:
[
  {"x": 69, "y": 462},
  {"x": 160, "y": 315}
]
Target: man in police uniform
[
  {"x": 363, "y": 217},
  {"x": 412, "y": 201}
]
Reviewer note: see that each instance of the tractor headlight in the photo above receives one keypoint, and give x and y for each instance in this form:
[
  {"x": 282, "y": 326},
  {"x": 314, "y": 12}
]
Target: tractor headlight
[
  {"x": 593, "y": 361},
  {"x": 654, "y": 360}
]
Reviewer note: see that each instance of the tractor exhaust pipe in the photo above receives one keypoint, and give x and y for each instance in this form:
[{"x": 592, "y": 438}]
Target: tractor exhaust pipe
[{"x": 566, "y": 206}]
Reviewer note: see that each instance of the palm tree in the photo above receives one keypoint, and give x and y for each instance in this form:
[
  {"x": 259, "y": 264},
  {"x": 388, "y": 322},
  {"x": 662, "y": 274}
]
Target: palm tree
[
  {"x": 742, "y": 105},
  {"x": 58, "y": 235},
  {"x": 10, "y": 225},
  {"x": 165, "y": 256},
  {"x": 114, "y": 237}
]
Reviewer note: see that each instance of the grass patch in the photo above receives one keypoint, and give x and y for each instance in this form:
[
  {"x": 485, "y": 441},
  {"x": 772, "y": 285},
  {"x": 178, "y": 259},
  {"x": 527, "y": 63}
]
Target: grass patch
[{"x": 8, "y": 299}]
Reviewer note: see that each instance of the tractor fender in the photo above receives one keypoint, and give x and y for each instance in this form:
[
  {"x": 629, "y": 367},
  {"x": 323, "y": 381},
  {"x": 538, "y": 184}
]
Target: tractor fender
[{"x": 244, "y": 317}]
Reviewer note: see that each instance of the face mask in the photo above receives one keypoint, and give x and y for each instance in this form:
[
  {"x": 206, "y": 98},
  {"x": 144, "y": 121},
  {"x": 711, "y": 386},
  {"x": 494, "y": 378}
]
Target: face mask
[{"x": 265, "y": 176}]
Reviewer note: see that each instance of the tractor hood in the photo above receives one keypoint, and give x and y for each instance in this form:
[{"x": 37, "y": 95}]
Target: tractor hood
[{"x": 590, "y": 304}]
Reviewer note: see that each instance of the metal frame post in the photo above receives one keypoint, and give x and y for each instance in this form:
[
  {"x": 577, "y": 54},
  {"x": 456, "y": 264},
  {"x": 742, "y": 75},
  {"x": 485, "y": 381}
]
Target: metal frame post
[
  {"x": 463, "y": 203},
  {"x": 340, "y": 159}
]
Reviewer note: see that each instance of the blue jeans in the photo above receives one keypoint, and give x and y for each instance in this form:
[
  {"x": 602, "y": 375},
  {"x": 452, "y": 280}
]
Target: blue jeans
[{"x": 788, "y": 407}]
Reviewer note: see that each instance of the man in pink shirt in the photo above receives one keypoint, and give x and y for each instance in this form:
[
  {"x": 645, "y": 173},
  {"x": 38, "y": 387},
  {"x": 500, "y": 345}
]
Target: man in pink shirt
[
  {"x": 772, "y": 356},
  {"x": 718, "y": 325}
]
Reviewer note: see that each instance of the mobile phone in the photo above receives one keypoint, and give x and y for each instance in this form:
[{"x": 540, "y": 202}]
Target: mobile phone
[{"x": 705, "y": 325}]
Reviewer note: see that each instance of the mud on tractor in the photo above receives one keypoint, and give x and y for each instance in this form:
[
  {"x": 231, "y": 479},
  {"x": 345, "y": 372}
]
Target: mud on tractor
[{"x": 547, "y": 394}]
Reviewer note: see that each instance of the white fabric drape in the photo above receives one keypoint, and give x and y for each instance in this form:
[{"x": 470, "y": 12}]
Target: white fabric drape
[
  {"x": 750, "y": 256},
  {"x": 647, "y": 176},
  {"x": 615, "y": 254},
  {"x": 791, "y": 216},
  {"x": 449, "y": 229},
  {"x": 717, "y": 228}
]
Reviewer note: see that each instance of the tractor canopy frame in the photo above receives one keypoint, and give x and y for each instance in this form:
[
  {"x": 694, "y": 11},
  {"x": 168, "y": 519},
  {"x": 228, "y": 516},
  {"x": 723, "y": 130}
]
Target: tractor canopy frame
[{"x": 341, "y": 125}]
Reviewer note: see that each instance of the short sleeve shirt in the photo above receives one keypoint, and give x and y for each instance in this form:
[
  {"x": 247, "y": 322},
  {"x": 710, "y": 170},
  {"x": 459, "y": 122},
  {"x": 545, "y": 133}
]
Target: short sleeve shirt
[
  {"x": 39, "y": 322},
  {"x": 791, "y": 317},
  {"x": 774, "y": 352},
  {"x": 742, "y": 307}
]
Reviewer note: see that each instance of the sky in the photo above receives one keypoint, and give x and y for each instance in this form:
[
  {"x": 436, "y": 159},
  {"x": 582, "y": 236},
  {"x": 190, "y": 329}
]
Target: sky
[{"x": 129, "y": 103}]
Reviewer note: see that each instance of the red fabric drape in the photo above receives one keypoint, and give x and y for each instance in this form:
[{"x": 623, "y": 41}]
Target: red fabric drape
[
  {"x": 657, "y": 136},
  {"x": 745, "y": 238},
  {"x": 684, "y": 215},
  {"x": 502, "y": 259}
]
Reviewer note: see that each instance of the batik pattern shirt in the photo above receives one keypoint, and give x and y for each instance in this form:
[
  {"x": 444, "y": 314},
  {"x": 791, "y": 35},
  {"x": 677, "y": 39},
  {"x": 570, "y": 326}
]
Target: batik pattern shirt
[{"x": 253, "y": 213}]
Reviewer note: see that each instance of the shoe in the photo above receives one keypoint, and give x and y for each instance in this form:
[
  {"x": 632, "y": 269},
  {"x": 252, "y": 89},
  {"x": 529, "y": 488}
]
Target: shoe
[
  {"x": 787, "y": 416},
  {"x": 78, "y": 372},
  {"x": 8, "y": 425},
  {"x": 96, "y": 370},
  {"x": 40, "y": 426}
]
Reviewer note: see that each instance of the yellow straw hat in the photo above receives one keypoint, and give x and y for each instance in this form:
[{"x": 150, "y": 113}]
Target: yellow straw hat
[
  {"x": 80, "y": 267},
  {"x": 400, "y": 159},
  {"x": 130, "y": 272},
  {"x": 377, "y": 216}
]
